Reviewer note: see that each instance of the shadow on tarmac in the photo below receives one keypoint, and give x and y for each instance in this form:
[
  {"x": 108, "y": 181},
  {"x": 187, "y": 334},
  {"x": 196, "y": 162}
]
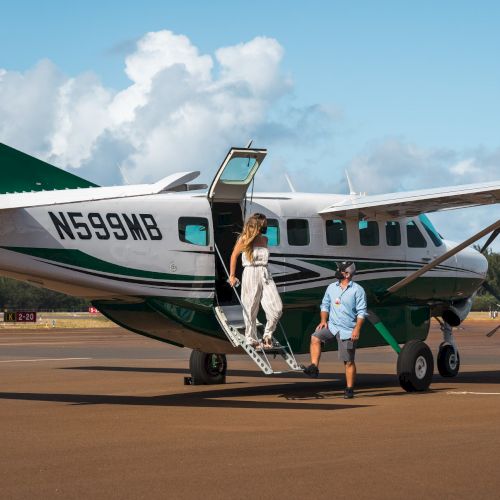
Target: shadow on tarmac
[
  {"x": 362, "y": 379},
  {"x": 201, "y": 399},
  {"x": 185, "y": 371},
  {"x": 296, "y": 395}
]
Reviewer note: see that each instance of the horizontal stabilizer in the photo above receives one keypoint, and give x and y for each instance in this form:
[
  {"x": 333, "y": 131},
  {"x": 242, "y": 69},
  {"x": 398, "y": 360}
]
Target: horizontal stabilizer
[{"x": 412, "y": 203}]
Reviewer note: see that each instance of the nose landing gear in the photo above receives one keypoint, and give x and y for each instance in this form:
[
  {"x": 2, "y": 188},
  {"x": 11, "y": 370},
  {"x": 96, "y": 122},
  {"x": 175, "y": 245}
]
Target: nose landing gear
[{"x": 448, "y": 360}]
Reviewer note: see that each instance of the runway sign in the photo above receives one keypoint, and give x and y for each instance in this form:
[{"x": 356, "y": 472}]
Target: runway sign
[{"x": 19, "y": 316}]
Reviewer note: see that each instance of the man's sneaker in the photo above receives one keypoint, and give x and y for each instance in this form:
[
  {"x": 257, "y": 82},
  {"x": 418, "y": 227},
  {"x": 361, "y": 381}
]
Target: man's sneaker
[
  {"x": 311, "y": 370},
  {"x": 348, "y": 393}
]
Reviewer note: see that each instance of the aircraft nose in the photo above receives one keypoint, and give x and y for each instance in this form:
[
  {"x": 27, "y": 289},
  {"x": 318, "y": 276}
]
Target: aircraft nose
[{"x": 474, "y": 261}]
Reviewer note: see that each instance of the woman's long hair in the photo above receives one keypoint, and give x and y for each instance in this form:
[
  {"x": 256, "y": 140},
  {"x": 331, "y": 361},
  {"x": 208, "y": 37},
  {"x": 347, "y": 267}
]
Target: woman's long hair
[{"x": 252, "y": 228}]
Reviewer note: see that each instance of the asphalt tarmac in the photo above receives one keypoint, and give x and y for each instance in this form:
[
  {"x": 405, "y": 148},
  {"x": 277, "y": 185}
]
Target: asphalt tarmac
[{"x": 105, "y": 414}]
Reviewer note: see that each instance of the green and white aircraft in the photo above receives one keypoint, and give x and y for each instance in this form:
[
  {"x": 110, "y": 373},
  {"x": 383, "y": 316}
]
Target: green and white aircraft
[{"x": 153, "y": 258}]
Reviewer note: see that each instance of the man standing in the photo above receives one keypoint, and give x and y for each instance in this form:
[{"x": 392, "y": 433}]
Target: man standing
[{"x": 342, "y": 313}]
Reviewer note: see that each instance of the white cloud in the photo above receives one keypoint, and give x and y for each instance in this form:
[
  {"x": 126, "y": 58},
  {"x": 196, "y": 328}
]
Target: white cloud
[
  {"x": 397, "y": 165},
  {"x": 28, "y": 107},
  {"x": 255, "y": 64},
  {"x": 465, "y": 167},
  {"x": 181, "y": 110}
]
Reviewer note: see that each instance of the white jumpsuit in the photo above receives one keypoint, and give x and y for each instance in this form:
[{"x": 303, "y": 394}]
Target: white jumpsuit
[{"x": 258, "y": 286}]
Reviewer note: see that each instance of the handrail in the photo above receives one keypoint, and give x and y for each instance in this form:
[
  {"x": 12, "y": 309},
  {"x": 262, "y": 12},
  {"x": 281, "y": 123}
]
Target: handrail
[{"x": 243, "y": 307}]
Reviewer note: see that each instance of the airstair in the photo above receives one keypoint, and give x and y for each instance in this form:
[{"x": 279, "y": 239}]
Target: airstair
[{"x": 232, "y": 321}]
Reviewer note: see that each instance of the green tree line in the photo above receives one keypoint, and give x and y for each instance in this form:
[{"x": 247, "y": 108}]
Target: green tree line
[
  {"x": 484, "y": 301},
  {"x": 19, "y": 295}
]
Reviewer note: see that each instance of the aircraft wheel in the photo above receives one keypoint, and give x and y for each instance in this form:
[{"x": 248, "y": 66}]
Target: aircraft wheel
[
  {"x": 447, "y": 362},
  {"x": 207, "y": 368},
  {"x": 415, "y": 366}
]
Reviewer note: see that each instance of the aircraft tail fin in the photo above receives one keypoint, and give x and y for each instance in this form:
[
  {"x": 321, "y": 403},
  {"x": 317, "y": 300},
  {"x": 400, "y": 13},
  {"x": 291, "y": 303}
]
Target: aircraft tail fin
[{"x": 20, "y": 172}]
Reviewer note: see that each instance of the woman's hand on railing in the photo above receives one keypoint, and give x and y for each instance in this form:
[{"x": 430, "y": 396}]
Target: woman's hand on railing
[{"x": 233, "y": 281}]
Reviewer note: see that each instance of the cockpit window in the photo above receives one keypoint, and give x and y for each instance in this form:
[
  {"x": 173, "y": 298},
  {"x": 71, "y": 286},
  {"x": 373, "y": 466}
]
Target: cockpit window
[
  {"x": 431, "y": 230},
  {"x": 273, "y": 232},
  {"x": 193, "y": 230},
  {"x": 414, "y": 236}
]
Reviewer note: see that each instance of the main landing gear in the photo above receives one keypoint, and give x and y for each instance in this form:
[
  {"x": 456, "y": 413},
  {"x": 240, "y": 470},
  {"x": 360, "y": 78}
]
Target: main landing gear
[
  {"x": 415, "y": 366},
  {"x": 206, "y": 368}
]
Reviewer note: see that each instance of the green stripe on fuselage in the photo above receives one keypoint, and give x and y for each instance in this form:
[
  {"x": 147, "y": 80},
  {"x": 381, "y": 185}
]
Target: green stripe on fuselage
[
  {"x": 362, "y": 265},
  {"x": 78, "y": 258}
]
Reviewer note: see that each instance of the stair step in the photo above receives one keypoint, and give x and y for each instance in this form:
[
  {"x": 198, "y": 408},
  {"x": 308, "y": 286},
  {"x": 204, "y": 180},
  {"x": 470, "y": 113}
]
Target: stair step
[{"x": 231, "y": 320}]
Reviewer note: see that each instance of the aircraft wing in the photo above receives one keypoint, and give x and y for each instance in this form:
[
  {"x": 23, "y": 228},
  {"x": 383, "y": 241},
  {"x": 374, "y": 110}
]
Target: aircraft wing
[
  {"x": 27, "y": 199},
  {"x": 412, "y": 203}
]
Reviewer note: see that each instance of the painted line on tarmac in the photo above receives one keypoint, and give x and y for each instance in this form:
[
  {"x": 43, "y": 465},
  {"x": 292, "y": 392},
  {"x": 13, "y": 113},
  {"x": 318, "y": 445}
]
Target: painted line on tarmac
[
  {"x": 39, "y": 359},
  {"x": 48, "y": 343},
  {"x": 470, "y": 392}
]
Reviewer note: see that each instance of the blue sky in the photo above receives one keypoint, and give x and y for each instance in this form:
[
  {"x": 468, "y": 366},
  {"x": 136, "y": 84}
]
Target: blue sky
[{"x": 404, "y": 95}]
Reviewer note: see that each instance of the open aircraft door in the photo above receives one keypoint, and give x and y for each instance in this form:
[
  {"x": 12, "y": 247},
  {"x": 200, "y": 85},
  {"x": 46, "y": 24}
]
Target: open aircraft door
[
  {"x": 235, "y": 175},
  {"x": 226, "y": 195}
]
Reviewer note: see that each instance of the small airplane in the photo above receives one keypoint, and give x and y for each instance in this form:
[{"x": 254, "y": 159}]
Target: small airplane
[{"x": 153, "y": 258}]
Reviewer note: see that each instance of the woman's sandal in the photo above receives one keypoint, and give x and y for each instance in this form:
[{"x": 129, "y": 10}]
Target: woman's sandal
[
  {"x": 253, "y": 343},
  {"x": 268, "y": 343}
]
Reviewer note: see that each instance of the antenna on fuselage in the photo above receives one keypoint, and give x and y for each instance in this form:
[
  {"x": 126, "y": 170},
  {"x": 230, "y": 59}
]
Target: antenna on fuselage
[
  {"x": 351, "y": 189},
  {"x": 249, "y": 144},
  {"x": 290, "y": 185}
]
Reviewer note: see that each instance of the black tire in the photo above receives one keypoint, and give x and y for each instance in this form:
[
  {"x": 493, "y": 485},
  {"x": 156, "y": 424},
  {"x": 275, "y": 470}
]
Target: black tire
[
  {"x": 415, "y": 366},
  {"x": 448, "y": 365},
  {"x": 207, "y": 368}
]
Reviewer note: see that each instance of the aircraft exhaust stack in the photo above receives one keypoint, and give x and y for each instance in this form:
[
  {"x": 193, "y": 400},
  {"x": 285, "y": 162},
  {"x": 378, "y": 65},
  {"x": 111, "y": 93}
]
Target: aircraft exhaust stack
[{"x": 456, "y": 313}]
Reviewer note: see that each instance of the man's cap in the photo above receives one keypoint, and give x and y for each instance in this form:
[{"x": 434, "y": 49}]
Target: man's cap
[{"x": 347, "y": 266}]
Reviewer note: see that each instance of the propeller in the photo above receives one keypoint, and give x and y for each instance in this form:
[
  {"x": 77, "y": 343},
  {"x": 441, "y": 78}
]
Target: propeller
[
  {"x": 490, "y": 334},
  {"x": 490, "y": 240},
  {"x": 491, "y": 290},
  {"x": 486, "y": 286}
]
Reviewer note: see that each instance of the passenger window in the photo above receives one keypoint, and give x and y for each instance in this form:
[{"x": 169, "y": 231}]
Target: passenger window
[
  {"x": 393, "y": 233},
  {"x": 193, "y": 230},
  {"x": 336, "y": 232},
  {"x": 273, "y": 232},
  {"x": 431, "y": 230},
  {"x": 368, "y": 233},
  {"x": 414, "y": 236},
  {"x": 297, "y": 232}
]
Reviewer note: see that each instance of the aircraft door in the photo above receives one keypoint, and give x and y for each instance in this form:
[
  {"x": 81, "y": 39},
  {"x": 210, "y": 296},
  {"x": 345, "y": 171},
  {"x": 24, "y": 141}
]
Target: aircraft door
[
  {"x": 226, "y": 195},
  {"x": 235, "y": 175}
]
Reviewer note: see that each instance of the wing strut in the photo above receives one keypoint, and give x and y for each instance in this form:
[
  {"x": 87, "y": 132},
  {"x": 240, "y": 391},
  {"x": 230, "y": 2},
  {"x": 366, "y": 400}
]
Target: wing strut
[{"x": 412, "y": 277}]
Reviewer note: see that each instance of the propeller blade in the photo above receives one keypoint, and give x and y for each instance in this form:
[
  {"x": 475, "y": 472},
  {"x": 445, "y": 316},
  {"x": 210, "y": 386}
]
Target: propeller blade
[
  {"x": 490, "y": 334},
  {"x": 490, "y": 240},
  {"x": 490, "y": 290}
]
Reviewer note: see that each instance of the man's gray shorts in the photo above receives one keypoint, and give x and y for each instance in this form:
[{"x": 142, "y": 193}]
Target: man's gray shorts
[{"x": 347, "y": 348}]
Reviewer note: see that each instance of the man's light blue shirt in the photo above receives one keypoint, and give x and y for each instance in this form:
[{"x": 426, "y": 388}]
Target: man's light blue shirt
[{"x": 344, "y": 306}]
